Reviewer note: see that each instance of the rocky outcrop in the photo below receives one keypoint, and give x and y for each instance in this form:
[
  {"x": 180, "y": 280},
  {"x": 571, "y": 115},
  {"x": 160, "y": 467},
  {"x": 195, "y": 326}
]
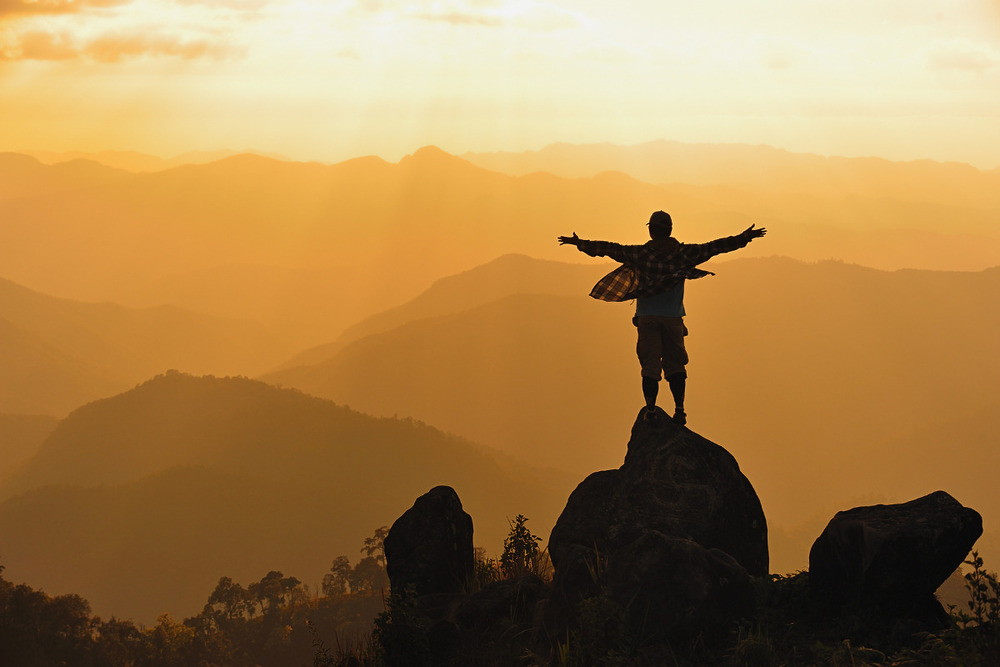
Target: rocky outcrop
[
  {"x": 429, "y": 548},
  {"x": 674, "y": 482},
  {"x": 658, "y": 558},
  {"x": 674, "y": 536},
  {"x": 893, "y": 556}
]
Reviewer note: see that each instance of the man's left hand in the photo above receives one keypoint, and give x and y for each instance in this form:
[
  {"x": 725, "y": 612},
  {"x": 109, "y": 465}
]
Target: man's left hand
[
  {"x": 752, "y": 233},
  {"x": 571, "y": 240}
]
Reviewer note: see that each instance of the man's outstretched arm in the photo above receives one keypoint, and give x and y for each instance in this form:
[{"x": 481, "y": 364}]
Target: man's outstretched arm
[
  {"x": 696, "y": 253},
  {"x": 626, "y": 254}
]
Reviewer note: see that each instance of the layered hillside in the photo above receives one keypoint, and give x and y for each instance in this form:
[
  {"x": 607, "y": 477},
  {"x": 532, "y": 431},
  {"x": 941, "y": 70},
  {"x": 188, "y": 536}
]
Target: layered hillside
[
  {"x": 142, "y": 501},
  {"x": 20, "y": 437},
  {"x": 759, "y": 167},
  {"x": 312, "y": 249},
  {"x": 57, "y": 354},
  {"x": 502, "y": 277}
]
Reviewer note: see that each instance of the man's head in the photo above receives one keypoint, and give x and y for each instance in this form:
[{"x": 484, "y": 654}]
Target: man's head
[{"x": 660, "y": 225}]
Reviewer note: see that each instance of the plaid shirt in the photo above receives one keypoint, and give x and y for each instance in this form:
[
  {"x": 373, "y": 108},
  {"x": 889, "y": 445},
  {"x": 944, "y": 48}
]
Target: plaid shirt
[{"x": 655, "y": 266}]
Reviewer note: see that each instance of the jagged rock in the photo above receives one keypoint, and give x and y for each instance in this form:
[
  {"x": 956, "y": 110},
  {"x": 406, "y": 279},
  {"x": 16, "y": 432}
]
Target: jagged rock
[
  {"x": 430, "y": 546},
  {"x": 678, "y": 588},
  {"x": 675, "y": 482},
  {"x": 893, "y": 556}
]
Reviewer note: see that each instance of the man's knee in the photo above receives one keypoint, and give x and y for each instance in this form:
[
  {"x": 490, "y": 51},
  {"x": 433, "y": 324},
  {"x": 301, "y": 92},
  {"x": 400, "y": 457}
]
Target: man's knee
[{"x": 679, "y": 375}]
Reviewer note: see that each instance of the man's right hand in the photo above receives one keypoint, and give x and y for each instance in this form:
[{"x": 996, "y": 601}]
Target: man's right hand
[
  {"x": 571, "y": 240},
  {"x": 752, "y": 233}
]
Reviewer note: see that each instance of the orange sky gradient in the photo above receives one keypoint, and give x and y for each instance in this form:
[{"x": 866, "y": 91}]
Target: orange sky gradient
[{"x": 330, "y": 80}]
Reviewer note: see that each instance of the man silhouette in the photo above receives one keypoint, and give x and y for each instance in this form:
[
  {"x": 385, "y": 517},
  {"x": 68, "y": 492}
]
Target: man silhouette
[{"x": 653, "y": 274}]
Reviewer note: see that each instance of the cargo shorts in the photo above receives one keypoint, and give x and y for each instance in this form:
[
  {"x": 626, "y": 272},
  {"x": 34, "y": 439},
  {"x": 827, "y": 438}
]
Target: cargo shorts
[{"x": 660, "y": 345}]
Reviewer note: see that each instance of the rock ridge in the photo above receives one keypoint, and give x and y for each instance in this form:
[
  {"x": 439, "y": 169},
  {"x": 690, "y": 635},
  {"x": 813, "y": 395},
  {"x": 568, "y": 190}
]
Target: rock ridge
[{"x": 675, "y": 482}]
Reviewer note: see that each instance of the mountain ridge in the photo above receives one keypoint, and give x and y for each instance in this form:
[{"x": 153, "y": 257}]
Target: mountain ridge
[
  {"x": 665, "y": 161},
  {"x": 62, "y": 352}
]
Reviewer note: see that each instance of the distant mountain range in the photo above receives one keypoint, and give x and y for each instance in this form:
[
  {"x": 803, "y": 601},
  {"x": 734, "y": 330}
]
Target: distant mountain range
[
  {"x": 20, "y": 437},
  {"x": 759, "y": 167},
  {"x": 141, "y": 162},
  {"x": 505, "y": 276},
  {"x": 57, "y": 354},
  {"x": 310, "y": 249},
  {"x": 142, "y": 501}
]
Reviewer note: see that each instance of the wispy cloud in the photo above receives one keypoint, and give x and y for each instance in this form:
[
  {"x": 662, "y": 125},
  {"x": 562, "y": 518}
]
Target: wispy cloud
[
  {"x": 111, "y": 48},
  {"x": 521, "y": 14},
  {"x": 10, "y": 8},
  {"x": 112, "y": 31},
  {"x": 779, "y": 54},
  {"x": 118, "y": 47},
  {"x": 39, "y": 45},
  {"x": 962, "y": 55}
]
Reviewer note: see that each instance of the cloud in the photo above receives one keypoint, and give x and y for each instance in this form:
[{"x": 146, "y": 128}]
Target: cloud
[
  {"x": 522, "y": 14},
  {"x": 963, "y": 55},
  {"x": 34, "y": 7},
  {"x": 110, "y": 48},
  {"x": 118, "y": 47},
  {"x": 39, "y": 45},
  {"x": 251, "y": 6},
  {"x": 779, "y": 54},
  {"x": 609, "y": 54},
  {"x": 461, "y": 17}
]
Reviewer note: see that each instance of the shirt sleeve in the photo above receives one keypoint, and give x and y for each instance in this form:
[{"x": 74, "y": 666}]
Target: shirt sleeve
[
  {"x": 626, "y": 254},
  {"x": 696, "y": 253}
]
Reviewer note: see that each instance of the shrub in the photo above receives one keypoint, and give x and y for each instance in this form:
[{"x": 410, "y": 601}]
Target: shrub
[{"x": 521, "y": 555}]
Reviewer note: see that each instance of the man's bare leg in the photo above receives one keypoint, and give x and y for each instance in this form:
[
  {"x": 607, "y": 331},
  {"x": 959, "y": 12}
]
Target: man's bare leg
[{"x": 650, "y": 387}]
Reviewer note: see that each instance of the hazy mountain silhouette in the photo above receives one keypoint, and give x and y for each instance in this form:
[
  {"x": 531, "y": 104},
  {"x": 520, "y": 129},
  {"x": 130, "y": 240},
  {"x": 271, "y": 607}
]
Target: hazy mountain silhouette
[
  {"x": 311, "y": 248},
  {"x": 20, "y": 437},
  {"x": 138, "y": 162},
  {"x": 504, "y": 276},
  {"x": 804, "y": 369},
  {"x": 57, "y": 354},
  {"x": 759, "y": 167},
  {"x": 142, "y": 501}
]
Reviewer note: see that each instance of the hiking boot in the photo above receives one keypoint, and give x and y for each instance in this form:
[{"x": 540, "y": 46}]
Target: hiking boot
[
  {"x": 680, "y": 418},
  {"x": 649, "y": 414}
]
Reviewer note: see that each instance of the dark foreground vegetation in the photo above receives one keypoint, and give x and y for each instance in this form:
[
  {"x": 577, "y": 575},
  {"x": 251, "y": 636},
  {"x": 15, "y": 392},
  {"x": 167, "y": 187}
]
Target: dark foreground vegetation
[
  {"x": 355, "y": 621},
  {"x": 276, "y": 621}
]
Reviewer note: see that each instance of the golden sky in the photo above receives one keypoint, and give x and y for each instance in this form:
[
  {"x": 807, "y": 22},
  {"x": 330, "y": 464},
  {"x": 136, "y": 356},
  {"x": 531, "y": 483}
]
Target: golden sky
[{"x": 333, "y": 79}]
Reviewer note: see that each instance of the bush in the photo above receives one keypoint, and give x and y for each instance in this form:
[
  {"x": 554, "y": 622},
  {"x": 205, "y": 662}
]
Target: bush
[{"x": 521, "y": 555}]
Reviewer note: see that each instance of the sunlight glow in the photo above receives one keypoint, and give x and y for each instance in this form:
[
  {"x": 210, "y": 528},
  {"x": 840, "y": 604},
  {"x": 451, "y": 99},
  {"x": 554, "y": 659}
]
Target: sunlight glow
[{"x": 329, "y": 80}]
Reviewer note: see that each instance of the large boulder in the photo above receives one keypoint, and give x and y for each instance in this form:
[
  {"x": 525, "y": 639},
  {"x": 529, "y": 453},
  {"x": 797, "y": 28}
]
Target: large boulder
[
  {"x": 675, "y": 588},
  {"x": 674, "y": 482},
  {"x": 893, "y": 556},
  {"x": 430, "y": 546}
]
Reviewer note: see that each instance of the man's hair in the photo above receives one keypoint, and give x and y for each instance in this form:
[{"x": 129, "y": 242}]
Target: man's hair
[{"x": 660, "y": 224}]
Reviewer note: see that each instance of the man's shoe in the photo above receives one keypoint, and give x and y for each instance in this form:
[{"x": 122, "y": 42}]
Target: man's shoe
[
  {"x": 649, "y": 414},
  {"x": 680, "y": 418}
]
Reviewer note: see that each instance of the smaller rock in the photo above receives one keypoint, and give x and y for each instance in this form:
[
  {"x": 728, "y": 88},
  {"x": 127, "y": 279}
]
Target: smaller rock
[
  {"x": 893, "y": 556},
  {"x": 430, "y": 546}
]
